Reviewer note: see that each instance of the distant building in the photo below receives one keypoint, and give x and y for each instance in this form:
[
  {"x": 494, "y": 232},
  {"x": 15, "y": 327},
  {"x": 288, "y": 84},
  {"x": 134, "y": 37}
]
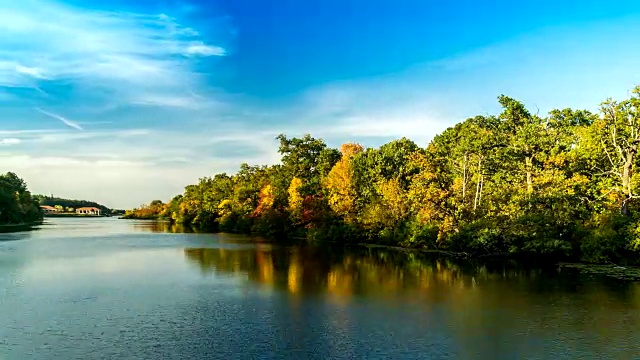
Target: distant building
[
  {"x": 88, "y": 211},
  {"x": 48, "y": 209}
]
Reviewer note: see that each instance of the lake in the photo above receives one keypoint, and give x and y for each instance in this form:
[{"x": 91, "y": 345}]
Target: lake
[{"x": 108, "y": 288}]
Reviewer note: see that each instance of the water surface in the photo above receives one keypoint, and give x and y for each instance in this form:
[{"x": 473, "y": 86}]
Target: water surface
[{"x": 107, "y": 288}]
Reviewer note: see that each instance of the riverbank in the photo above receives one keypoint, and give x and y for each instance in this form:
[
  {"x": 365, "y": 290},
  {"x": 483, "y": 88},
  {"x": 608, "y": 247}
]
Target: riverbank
[
  {"x": 62, "y": 215},
  {"x": 626, "y": 273},
  {"x": 136, "y": 217},
  {"x": 629, "y": 273}
]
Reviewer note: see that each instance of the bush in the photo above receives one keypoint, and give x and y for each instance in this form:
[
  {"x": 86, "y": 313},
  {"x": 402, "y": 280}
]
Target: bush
[{"x": 606, "y": 238}]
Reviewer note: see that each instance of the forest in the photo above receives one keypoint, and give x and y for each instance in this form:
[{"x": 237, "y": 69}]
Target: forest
[
  {"x": 558, "y": 185},
  {"x": 17, "y": 206}
]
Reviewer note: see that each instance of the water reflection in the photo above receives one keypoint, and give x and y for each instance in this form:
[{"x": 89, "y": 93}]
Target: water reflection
[
  {"x": 101, "y": 288},
  {"x": 15, "y": 236},
  {"x": 487, "y": 308},
  {"x": 156, "y": 226},
  {"x": 347, "y": 272},
  {"x": 9, "y": 231}
]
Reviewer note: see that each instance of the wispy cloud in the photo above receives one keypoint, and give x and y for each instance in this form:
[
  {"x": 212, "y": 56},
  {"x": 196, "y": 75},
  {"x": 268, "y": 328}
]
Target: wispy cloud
[
  {"x": 547, "y": 69},
  {"x": 62, "y": 140},
  {"x": 200, "y": 49},
  {"x": 186, "y": 102},
  {"x": 168, "y": 124},
  {"x": 28, "y": 132},
  {"x": 9, "y": 142},
  {"x": 108, "y": 54},
  {"x": 144, "y": 76},
  {"x": 33, "y": 72},
  {"x": 371, "y": 111},
  {"x": 61, "y": 118},
  {"x": 147, "y": 163}
]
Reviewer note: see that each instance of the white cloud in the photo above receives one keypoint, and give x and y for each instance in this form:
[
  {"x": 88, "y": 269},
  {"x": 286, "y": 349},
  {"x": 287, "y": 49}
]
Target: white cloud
[
  {"x": 125, "y": 168},
  {"x": 101, "y": 180},
  {"x": 551, "y": 68},
  {"x": 31, "y": 71},
  {"x": 116, "y": 55},
  {"x": 9, "y": 142},
  {"x": 186, "y": 102},
  {"x": 114, "y": 58},
  {"x": 67, "y": 140},
  {"x": 204, "y": 50},
  {"x": 370, "y": 111},
  {"x": 27, "y": 132},
  {"x": 100, "y": 67}
]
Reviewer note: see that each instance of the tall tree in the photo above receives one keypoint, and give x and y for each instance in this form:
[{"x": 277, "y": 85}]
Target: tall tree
[
  {"x": 617, "y": 134},
  {"x": 339, "y": 183}
]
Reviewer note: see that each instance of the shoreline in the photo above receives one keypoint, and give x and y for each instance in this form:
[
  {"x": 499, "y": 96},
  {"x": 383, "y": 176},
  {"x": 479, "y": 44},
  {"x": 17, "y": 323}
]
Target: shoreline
[
  {"x": 73, "y": 215},
  {"x": 627, "y": 273},
  {"x": 13, "y": 228}
]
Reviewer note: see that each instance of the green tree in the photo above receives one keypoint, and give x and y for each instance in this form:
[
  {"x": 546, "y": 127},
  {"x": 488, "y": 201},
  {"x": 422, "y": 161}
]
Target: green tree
[
  {"x": 561, "y": 184},
  {"x": 17, "y": 206}
]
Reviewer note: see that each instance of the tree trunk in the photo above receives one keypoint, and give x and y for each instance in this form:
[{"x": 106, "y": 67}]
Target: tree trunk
[
  {"x": 476, "y": 200},
  {"x": 464, "y": 179},
  {"x": 627, "y": 172},
  {"x": 481, "y": 188},
  {"x": 529, "y": 165}
]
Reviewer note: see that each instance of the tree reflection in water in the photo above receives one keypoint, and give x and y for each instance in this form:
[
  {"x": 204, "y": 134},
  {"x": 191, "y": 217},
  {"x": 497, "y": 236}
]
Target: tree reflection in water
[
  {"x": 473, "y": 294},
  {"x": 353, "y": 271},
  {"x": 156, "y": 226}
]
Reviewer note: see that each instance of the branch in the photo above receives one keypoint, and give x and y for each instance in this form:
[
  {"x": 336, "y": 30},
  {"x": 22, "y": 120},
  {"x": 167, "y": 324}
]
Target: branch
[{"x": 604, "y": 146}]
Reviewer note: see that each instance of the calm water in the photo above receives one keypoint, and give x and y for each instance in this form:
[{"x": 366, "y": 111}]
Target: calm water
[{"x": 107, "y": 288}]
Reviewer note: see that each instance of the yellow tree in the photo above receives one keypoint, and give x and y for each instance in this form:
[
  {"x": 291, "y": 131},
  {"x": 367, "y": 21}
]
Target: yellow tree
[
  {"x": 430, "y": 194},
  {"x": 266, "y": 198},
  {"x": 339, "y": 183},
  {"x": 295, "y": 198},
  {"x": 394, "y": 202}
]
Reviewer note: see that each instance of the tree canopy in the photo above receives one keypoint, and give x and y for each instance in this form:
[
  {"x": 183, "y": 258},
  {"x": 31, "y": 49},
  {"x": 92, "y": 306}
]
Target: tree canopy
[
  {"x": 17, "y": 206},
  {"x": 564, "y": 184}
]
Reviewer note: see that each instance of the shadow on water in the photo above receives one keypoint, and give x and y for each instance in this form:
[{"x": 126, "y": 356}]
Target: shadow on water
[{"x": 172, "y": 228}]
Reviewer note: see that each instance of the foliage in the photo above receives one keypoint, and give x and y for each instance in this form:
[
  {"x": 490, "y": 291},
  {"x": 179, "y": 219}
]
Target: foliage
[
  {"x": 339, "y": 183},
  {"x": 17, "y": 206},
  {"x": 155, "y": 210},
  {"x": 560, "y": 185}
]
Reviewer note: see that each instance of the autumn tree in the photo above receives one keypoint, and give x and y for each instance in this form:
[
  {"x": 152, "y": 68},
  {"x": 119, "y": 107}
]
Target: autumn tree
[
  {"x": 339, "y": 184},
  {"x": 560, "y": 184}
]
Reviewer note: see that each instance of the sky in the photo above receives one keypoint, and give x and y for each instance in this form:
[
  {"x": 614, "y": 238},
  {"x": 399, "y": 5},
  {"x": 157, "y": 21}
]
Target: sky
[{"x": 123, "y": 102}]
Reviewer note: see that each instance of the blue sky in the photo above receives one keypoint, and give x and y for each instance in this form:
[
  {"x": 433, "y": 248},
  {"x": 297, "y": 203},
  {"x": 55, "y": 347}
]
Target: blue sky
[{"x": 123, "y": 102}]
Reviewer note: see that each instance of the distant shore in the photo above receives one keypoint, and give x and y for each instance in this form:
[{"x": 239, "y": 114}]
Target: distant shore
[{"x": 72, "y": 215}]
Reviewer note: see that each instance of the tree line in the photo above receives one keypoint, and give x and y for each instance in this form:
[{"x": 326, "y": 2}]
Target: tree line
[
  {"x": 564, "y": 184},
  {"x": 69, "y": 205},
  {"x": 17, "y": 206}
]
